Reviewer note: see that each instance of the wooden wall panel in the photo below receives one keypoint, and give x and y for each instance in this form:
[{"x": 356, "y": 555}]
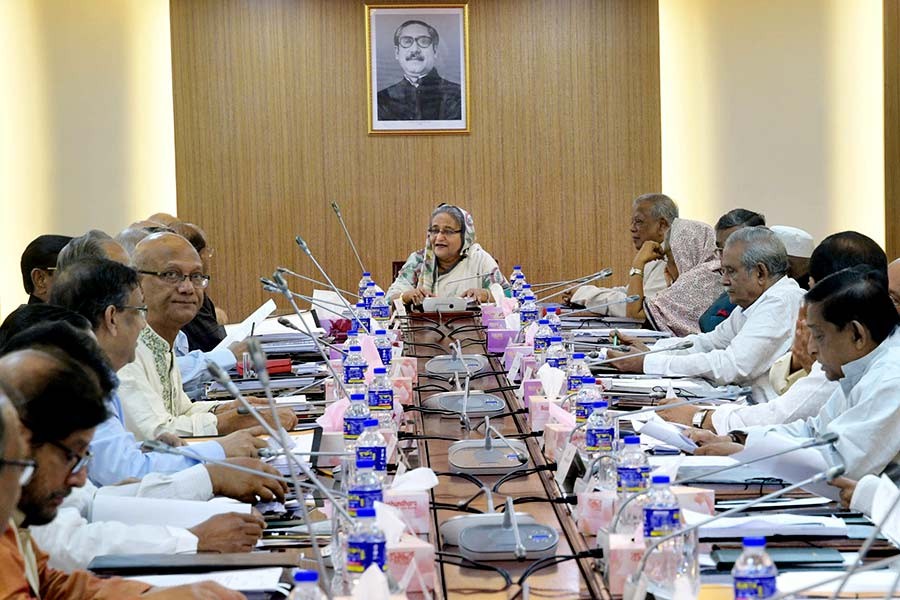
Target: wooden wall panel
[
  {"x": 892, "y": 127},
  {"x": 270, "y": 127}
]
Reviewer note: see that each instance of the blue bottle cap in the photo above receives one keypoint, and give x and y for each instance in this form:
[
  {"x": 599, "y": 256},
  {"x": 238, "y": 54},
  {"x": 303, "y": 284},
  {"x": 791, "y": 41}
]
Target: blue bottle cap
[
  {"x": 365, "y": 463},
  {"x": 366, "y": 274},
  {"x": 601, "y": 404},
  {"x": 556, "y": 338},
  {"x": 301, "y": 576},
  {"x": 360, "y": 305},
  {"x": 551, "y": 309},
  {"x": 365, "y": 513},
  {"x": 380, "y": 332},
  {"x": 380, "y": 370},
  {"x": 516, "y": 267},
  {"x": 660, "y": 479},
  {"x": 379, "y": 293},
  {"x": 370, "y": 284},
  {"x": 543, "y": 322},
  {"x": 587, "y": 379},
  {"x": 754, "y": 542},
  {"x": 360, "y": 397},
  {"x": 354, "y": 331},
  {"x": 578, "y": 355},
  {"x": 632, "y": 440},
  {"x": 370, "y": 423},
  {"x": 355, "y": 348},
  {"x": 527, "y": 286}
]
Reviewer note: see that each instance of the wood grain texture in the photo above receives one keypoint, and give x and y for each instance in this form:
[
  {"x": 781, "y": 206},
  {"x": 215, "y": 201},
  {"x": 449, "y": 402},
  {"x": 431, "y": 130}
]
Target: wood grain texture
[
  {"x": 892, "y": 127},
  {"x": 270, "y": 127}
]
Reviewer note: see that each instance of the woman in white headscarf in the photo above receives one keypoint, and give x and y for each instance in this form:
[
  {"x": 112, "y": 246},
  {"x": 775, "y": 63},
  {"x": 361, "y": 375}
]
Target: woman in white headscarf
[{"x": 450, "y": 264}]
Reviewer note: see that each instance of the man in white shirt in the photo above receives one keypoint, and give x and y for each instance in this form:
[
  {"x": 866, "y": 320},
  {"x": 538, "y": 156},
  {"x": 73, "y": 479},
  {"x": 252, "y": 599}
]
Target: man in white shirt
[
  {"x": 742, "y": 348},
  {"x": 806, "y": 396},
  {"x": 853, "y": 326},
  {"x": 651, "y": 217},
  {"x": 151, "y": 387}
]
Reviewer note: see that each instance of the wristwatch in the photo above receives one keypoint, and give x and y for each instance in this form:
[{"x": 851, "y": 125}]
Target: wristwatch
[
  {"x": 697, "y": 419},
  {"x": 636, "y": 271}
]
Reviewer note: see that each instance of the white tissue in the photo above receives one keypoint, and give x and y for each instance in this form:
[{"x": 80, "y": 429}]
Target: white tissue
[
  {"x": 512, "y": 321},
  {"x": 552, "y": 380},
  {"x": 497, "y": 293},
  {"x": 417, "y": 480},
  {"x": 372, "y": 585},
  {"x": 390, "y": 521}
]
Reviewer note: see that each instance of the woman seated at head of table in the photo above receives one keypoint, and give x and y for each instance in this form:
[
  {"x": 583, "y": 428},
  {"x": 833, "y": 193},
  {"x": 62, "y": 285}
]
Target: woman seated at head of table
[
  {"x": 692, "y": 272},
  {"x": 450, "y": 265}
]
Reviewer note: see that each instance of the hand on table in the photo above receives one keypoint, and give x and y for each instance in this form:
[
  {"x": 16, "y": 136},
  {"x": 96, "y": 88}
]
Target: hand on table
[
  {"x": 229, "y": 532},
  {"x": 634, "y": 364},
  {"x": 246, "y": 487},
  {"x": 415, "y": 296},
  {"x": 170, "y": 439},
  {"x": 205, "y": 590},
  {"x": 243, "y": 443},
  {"x": 847, "y": 487},
  {"x": 680, "y": 414},
  {"x": 480, "y": 295},
  {"x": 626, "y": 340}
]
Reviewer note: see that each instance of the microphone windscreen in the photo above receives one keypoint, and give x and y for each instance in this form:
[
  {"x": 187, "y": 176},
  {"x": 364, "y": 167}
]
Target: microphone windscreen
[
  {"x": 218, "y": 373},
  {"x": 632, "y": 298},
  {"x": 835, "y": 471},
  {"x": 829, "y": 437}
]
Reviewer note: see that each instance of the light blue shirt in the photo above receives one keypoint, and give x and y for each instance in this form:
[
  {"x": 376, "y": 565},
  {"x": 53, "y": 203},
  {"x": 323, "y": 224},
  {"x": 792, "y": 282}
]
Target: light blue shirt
[
  {"x": 117, "y": 455},
  {"x": 192, "y": 365}
]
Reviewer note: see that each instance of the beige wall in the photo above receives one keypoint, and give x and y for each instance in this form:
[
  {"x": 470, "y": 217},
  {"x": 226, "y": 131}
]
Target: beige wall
[
  {"x": 86, "y": 126},
  {"x": 776, "y": 106}
]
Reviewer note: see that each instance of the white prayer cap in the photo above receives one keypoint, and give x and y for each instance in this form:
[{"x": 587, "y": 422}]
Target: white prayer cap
[{"x": 797, "y": 242}]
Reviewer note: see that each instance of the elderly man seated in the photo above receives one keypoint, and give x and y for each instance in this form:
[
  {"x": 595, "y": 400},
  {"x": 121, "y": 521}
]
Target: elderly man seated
[
  {"x": 743, "y": 347},
  {"x": 651, "y": 217},
  {"x": 153, "y": 400}
]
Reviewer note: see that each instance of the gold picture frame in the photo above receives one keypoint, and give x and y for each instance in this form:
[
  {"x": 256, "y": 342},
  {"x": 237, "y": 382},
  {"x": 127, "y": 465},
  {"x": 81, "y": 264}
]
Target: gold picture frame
[{"x": 422, "y": 88}]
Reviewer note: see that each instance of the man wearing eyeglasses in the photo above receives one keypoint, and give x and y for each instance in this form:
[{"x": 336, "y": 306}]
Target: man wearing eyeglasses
[
  {"x": 153, "y": 398},
  {"x": 422, "y": 94}
]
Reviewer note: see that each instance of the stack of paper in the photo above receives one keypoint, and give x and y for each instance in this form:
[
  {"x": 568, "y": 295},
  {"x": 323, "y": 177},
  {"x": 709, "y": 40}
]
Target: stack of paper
[
  {"x": 767, "y": 525},
  {"x": 245, "y": 580}
]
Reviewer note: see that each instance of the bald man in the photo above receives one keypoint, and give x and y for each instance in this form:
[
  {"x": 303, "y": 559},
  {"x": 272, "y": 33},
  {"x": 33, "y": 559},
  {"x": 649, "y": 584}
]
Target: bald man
[{"x": 153, "y": 400}]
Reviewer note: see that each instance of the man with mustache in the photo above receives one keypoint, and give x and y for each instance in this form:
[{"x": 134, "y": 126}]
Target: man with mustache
[{"x": 422, "y": 94}]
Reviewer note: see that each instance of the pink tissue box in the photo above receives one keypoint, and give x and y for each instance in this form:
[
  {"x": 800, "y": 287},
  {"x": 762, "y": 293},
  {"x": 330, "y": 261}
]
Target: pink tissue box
[
  {"x": 530, "y": 389},
  {"x": 696, "y": 499},
  {"x": 511, "y": 351},
  {"x": 403, "y": 389},
  {"x": 408, "y": 367},
  {"x": 556, "y": 436},
  {"x": 529, "y": 362},
  {"x": 595, "y": 511},
  {"x": 499, "y": 339},
  {"x": 539, "y": 412},
  {"x": 622, "y": 560},
  {"x": 413, "y": 505},
  {"x": 404, "y": 553},
  {"x": 491, "y": 311},
  {"x": 494, "y": 323}
]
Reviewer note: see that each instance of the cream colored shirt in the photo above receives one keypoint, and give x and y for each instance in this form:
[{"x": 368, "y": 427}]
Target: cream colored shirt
[
  {"x": 152, "y": 397},
  {"x": 591, "y": 295}
]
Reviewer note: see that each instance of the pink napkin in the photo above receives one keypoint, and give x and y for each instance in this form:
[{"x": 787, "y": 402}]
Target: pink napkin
[{"x": 333, "y": 419}]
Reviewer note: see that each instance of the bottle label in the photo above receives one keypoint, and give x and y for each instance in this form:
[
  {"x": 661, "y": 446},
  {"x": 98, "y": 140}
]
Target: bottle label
[
  {"x": 555, "y": 326},
  {"x": 558, "y": 362},
  {"x": 381, "y": 399},
  {"x": 631, "y": 480},
  {"x": 353, "y": 427},
  {"x": 355, "y": 373},
  {"x": 645, "y": 473},
  {"x": 527, "y": 317},
  {"x": 754, "y": 587},
  {"x": 381, "y": 312},
  {"x": 375, "y": 453},
  {"x": 361, "y": 554},
  {"x": 541, "y": 344},
  {"x": 661, "y": 521},
  {"x": 573, "y": 383},
  {"x": 386, "y": 355},
  {"x": 367, "y": 300},
  {"x": 362, "y": 499},
  {"x": 599, "y": 439},
  {"x": 581, "y": 412}
]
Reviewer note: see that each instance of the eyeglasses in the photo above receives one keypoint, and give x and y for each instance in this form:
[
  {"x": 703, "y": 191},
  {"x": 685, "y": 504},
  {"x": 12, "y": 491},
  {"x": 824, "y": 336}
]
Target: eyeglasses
[
  {"x": 198, "y": 280},
  {"x": 26, "y": 464},
  {"x": 446, "y": 232},
  {"x": 422, "y": 41},
  {"x": 79, "y": 462},
  {"x": 141, "y": 309}
]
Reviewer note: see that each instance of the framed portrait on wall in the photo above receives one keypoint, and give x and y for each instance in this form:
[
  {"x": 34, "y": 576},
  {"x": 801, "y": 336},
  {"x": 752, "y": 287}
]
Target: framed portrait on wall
[{"x": 418, "y": 68}]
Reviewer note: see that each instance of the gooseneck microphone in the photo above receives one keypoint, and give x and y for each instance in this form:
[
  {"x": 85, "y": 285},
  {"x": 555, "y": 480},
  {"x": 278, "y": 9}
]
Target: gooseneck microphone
[
  {"x": 284, "y": 322},
  {"x": 625, "y": 300},
  {"x": 552, "y": 284},
  {"x": 680, "y": 346},
  {"x": 337, "y": 211},
  {"x": 599, "y": 275},
  {"x": 311, "y": 280},
  {"x": 305, "y": 247}
]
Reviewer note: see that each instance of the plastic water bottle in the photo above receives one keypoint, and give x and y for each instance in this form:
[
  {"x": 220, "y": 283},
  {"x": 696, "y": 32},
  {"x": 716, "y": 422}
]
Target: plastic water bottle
[
  {"x": 364, "y": 283},
  {"x": 632, "y": 467},
  {"x": 517, "y": 270},
  {"x": 516, "y": 287},
  {"x": 662, "y": 513},
  {"x": 381, "y": 399},
  {"x": 355, "y": 367},
  {"x": 384, "y": 346},
  {"x": 352, "y": 338},
  {"x": 600, "y": 431},
  {"x": 372, "y": 445},
  {"x": 365, "y": 544},
  {"x": 542, "y": 340},
  {"x": 584, "y": 400},
  {"x": 380, "y": 310},
  {"x": 754, "y": 572},
  {"x": 576, "y": 370},
  {"x": 556, "y": 355},
  {"x": 306, "y": 586},
  {"x": 553, "y": 319},
  {"x": 365, "y": 488},
  {"x": 362, "y": 317},
  {"x": 354, "y": 420},
  {"x": 368, "y": 295},
  {"x": 528, "y": 312}
]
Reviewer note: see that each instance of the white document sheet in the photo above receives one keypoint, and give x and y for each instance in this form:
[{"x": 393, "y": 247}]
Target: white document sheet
[
  {"x": 872, "y": 584},
  {"x": 767, "y": 524},
  {"x": 792, "y": 467},
  {"x": 644, "y": 385},
  {"x": 155, "y": 511},
  {"x": 242, "y": 580},
  {"x": 710, "y": 462},
  {"x": 271, "y": 325},
  {"x": 329, "y": 304},
  {"x": 242, "y": 330},
  {"x": 666, "y": 433}
]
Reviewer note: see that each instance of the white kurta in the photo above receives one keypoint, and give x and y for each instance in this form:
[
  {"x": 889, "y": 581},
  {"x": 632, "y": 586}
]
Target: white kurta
[
  {"x": 802, "y": 400},
  {"x": 864, "y": 411},
  {"x": 591, "y": 295},
  {"x": 473, "y": 271},
  {"x": 152, "y": 397},
  {"x": 742, "y": 348}
]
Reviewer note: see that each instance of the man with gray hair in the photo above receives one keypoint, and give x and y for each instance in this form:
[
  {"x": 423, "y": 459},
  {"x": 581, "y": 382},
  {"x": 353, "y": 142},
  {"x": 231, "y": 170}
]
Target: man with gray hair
[
  {"x": 742, "y": 348},
  {"x": 93, "y": 244},
  {"x": 651, "y": 217}
]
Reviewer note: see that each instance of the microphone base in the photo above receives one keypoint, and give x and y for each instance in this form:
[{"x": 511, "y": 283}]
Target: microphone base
[
  {"x": 496, "y": 542},
  {"x": 479, "y": 403},
  {"x": 451, "y": 529},
  {"x": 470, "y": 456},
  {"x": 447, "y": 364}
]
